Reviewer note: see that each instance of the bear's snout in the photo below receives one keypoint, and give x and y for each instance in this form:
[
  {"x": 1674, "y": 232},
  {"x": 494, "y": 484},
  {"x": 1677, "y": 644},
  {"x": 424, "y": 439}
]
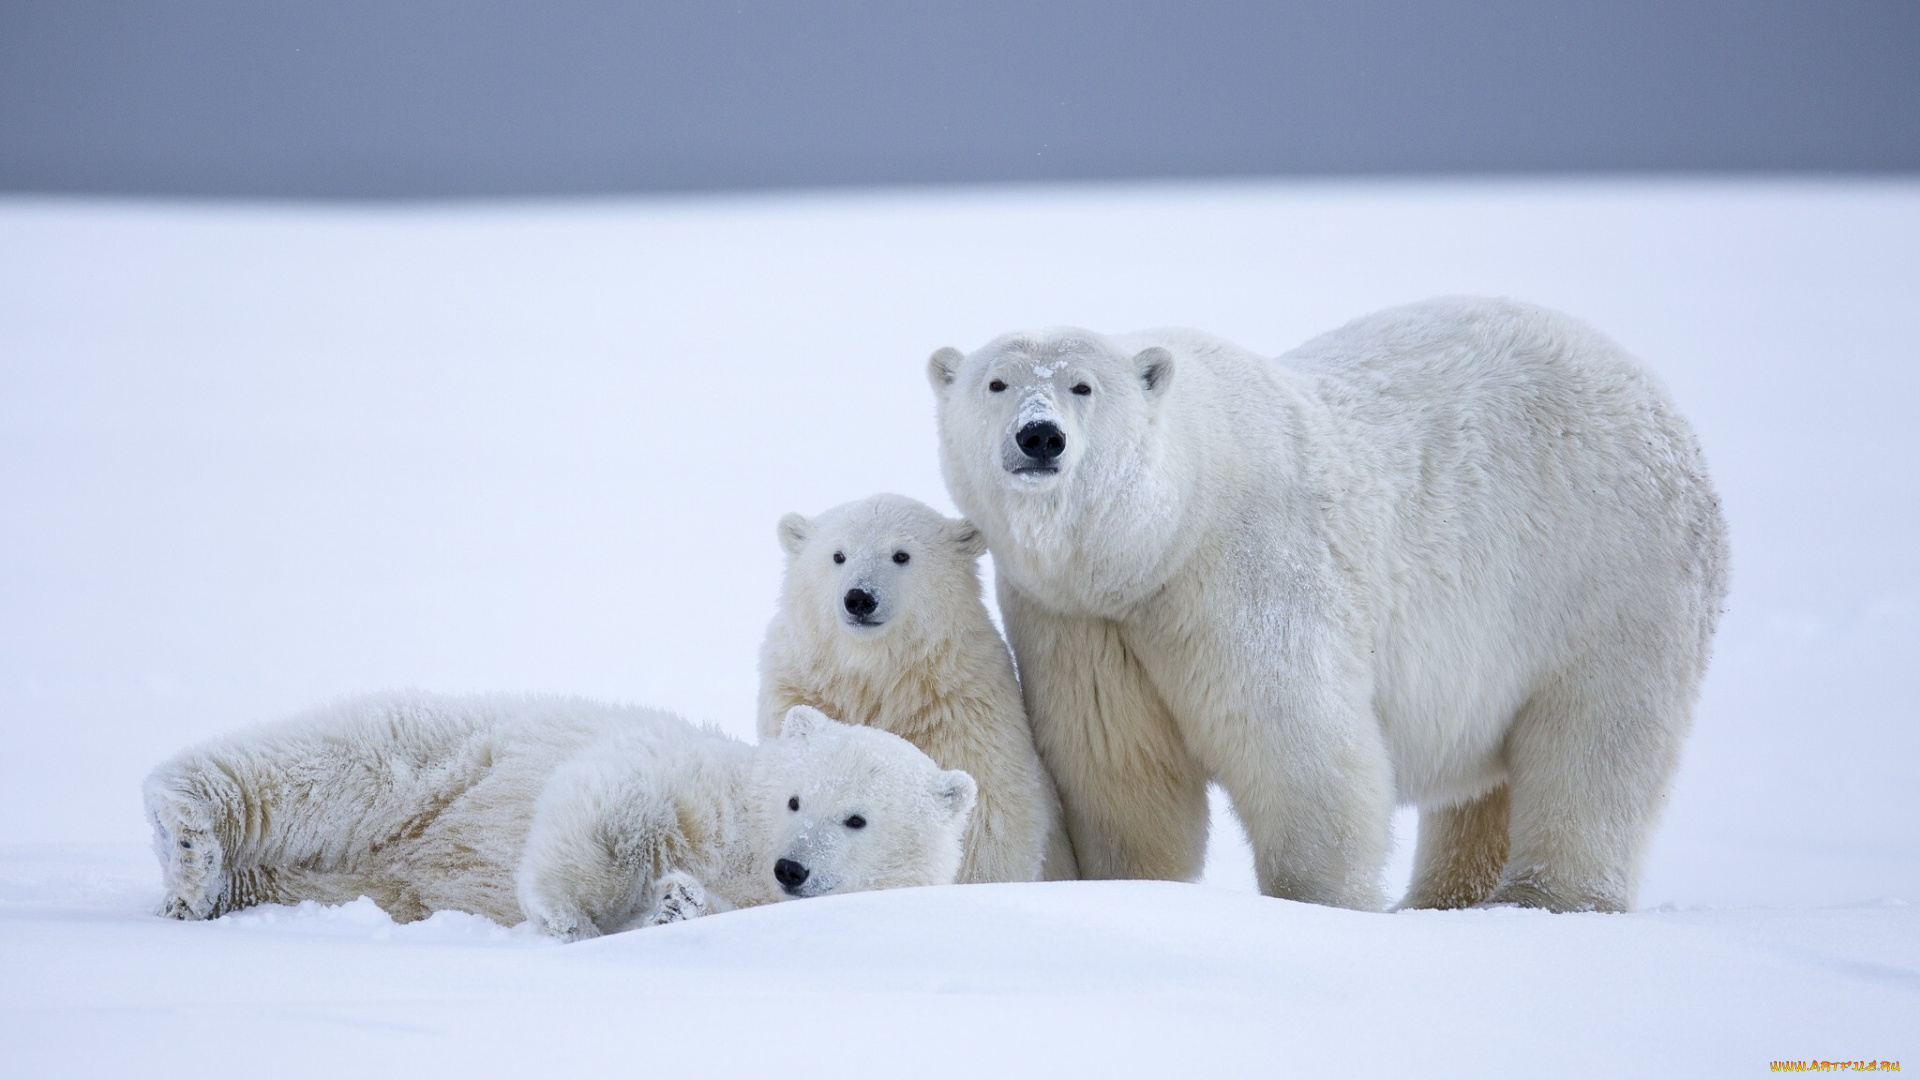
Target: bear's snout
[
  {"x": 791, "y": 875},
  {"x": 1041, "y": 441},
  {"x": 860, "y": 603}
]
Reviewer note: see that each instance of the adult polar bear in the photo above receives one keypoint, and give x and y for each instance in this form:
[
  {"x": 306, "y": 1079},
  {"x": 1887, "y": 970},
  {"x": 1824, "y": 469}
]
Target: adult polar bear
[{"x": 1462, "y": 554}]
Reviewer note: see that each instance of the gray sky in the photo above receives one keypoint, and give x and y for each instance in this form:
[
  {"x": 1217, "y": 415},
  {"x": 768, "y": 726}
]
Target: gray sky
[{"x": 429, "y": 98}]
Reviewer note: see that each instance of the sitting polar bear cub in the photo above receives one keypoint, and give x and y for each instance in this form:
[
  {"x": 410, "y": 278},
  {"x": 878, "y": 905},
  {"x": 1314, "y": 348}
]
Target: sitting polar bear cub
[
  {"x": 1462, "y": 554},
  {"x": 583, "y": 818},
  {"x": 880, "y": 618}
]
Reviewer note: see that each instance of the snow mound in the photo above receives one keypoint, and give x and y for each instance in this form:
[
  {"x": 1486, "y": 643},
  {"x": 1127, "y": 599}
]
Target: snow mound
[
  {"x": 365, "y": 920},
  {"x": 1122, "y": 978}
]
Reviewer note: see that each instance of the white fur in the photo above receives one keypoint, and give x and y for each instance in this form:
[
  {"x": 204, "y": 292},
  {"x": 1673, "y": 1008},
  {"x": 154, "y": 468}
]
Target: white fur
[
  {"x": 926, "y": 664},
  {"x": 584, "y": 818},
  {"x": 1462, "y": 554}
]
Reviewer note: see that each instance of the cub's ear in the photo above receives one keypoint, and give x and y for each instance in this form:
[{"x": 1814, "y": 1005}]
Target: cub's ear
[
  {"x": 956, "y": 791},
  {"x": 1154, "y": 366},
  {"x": 941, "y": 367},
  {"x": 804, "y": 720},
  {"x": 967, "y": 537},
  {"x": 794, "y": 530}
]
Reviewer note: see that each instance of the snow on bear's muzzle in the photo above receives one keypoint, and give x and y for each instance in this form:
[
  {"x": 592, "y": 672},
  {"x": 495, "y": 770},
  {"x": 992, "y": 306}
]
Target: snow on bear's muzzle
[{"x": 1038, "y": 440}]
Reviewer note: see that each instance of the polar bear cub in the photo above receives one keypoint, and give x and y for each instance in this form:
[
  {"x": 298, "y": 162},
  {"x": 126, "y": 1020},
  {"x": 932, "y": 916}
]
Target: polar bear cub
[
  {"x": 1462, "y": 554},
  {"x": 880, "y": 621},
  {"x": 583, "y": 818}
]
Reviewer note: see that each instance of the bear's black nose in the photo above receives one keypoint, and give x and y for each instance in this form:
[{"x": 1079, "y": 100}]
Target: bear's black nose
[
  {"x": 1042, "y": 440},
  {"x": 860, "y": 603},
  {"x": 791, "y": 875}
]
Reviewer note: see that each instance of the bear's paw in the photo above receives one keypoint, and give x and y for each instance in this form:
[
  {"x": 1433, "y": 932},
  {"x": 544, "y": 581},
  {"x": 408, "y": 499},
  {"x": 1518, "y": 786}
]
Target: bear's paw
[
  {"x": 193, "y": 865},
  {"x": 681, "y": 898}
]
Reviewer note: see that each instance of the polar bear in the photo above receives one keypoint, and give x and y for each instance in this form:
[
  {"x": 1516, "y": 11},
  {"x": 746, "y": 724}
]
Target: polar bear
[
  {"x": 880, "y": 622},
  {"x": 583, "y": 818},
  {"x": 1462, "y": 554}
]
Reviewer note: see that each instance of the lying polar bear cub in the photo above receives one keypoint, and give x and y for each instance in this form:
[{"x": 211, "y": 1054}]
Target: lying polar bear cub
[{"x": 584, "y": 818}]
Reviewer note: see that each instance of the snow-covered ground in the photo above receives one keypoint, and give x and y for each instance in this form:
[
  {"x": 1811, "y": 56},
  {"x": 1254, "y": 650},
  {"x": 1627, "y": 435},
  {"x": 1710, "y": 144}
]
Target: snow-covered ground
[{"x": 254, "y": 457}]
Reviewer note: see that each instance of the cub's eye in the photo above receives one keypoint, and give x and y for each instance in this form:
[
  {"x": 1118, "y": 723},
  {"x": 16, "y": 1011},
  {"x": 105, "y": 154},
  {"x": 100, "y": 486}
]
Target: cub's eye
[
  {"x": 901, "y": 557},
  {"x": 1082, "y": 389},
  {"x": 996, "y": 386},
  {"x": 793, "y": 803},
  {"x": 856, "y": 822},
  {"x": 839, "y": 557}
]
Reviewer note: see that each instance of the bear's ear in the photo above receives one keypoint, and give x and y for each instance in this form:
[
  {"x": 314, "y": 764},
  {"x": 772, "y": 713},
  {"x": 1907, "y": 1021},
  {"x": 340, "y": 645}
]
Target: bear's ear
[
  {"x": 956, "y": 791},
  {"x": 793, "y": 533},
  {"x": 967, "y": 537},
  {"x": 1154, "y": 366},
  {"x": 804, "y": 720},
  {"x": 941, "y": 367}
]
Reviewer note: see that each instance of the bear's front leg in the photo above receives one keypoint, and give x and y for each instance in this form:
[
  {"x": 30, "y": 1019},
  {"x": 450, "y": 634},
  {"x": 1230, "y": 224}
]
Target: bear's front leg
[
  {"x": 1284, "y": 722},
  {"x": 559, "y": 909},
  {"x": 568, "y": 885},
  {"x": 1134, "y": 799},
  {"x": 604, "y": 827}
]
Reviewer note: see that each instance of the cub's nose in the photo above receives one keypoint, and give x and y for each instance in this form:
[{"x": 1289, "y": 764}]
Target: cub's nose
[
  {"x": 1042, "y": 440},
  {"x": 791, "y": 875},
  {"x": 860, "y": 603}
]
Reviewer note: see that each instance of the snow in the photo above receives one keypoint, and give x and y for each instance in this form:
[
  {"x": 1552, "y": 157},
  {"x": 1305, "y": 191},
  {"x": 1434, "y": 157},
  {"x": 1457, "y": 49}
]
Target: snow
[
  {"x": 253, "y": 457},
  {"x": 1036, "y": 407}
]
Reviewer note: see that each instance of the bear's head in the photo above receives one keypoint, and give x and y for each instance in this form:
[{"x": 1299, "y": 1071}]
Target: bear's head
[
  {"x": 1053, "y": 443},
  {"x": 885, "y": 566},
  {"x": 852, "y": 808},
  {"x": 1029, "y": 410}
]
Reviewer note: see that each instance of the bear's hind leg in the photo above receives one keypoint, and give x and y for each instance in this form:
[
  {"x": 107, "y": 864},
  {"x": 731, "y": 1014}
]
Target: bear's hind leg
[
  {"x": 186, "y": 804},
  {"x": 1589, "y": 759},
  {"x": 229, "y": 835},
  {"x": 1460, "y": 854}
]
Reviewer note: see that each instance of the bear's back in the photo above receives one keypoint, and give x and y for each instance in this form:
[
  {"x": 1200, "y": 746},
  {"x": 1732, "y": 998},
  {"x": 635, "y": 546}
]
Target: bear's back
[{"x": 1512, "y": 484}]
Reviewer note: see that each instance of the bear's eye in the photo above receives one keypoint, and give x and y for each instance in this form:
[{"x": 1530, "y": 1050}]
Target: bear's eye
[
  {"x": 1082, "y": 389},
  {"x": 996, "y": 386},
  {"x": 793, "y": 803},
  {"x": 839, "y": 557},
  {"x": 856, "y": 822},
  {"x": 901, "y": 557}
]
